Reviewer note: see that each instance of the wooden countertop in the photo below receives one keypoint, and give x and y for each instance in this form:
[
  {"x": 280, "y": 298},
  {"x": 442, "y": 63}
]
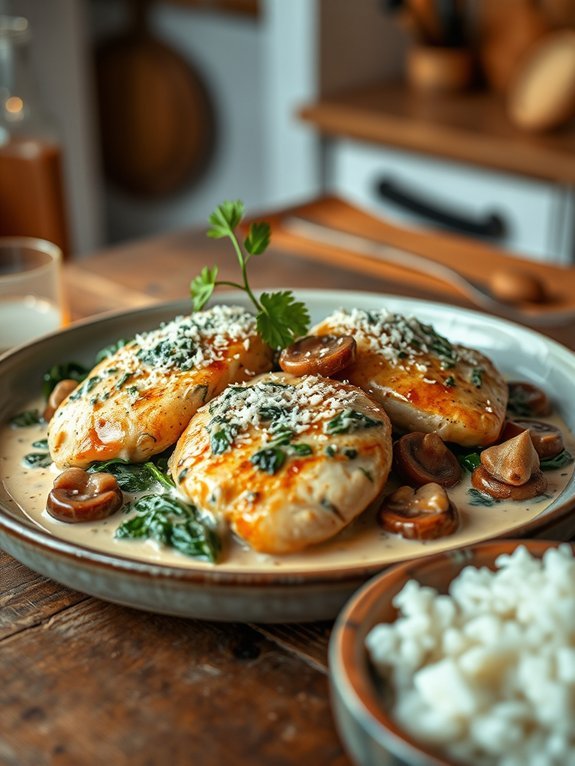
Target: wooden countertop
[
  {"x": 470, "y": 127},
  {"x": 87, "y": 682}
]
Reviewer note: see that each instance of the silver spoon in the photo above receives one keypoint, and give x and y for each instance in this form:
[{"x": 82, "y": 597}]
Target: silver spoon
[{"x": 479, "y": 294}]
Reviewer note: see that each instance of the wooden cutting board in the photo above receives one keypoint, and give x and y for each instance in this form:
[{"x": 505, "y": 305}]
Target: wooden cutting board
[{"x": 157, "y": 122}]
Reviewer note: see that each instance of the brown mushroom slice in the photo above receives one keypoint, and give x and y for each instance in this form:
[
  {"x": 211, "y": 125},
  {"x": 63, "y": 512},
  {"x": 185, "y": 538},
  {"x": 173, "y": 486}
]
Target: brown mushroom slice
[
  {"x": 513, "y": 461},
  {"x": 526, "y": 400},
  {"x": 61, "y": 391},
  {"x": 426, "y": 513},
  {"x": 547, "y": 438},
  {"x": 499, "y": 490},
  {"x": 81, "y": 496},
  {"x": 318, "y": 355},
  {"x": 423, "y": 457}
]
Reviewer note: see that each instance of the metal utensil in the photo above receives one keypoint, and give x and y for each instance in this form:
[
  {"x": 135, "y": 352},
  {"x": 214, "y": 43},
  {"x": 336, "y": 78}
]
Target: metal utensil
[{"x": 475, "y": 291}]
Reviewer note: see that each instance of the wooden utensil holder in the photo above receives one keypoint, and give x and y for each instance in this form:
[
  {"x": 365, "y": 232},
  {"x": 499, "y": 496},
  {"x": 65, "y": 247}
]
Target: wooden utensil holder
[{"x": 437, "y": 69}]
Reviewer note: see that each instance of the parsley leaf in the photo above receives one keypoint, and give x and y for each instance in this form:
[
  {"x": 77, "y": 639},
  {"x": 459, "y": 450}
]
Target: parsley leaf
[
  {"x": 225, "y": 218},
  {"x": 202, "y": 287},
  {"x": 280, "y": 317},
  {"x": 258, "y": 238}
]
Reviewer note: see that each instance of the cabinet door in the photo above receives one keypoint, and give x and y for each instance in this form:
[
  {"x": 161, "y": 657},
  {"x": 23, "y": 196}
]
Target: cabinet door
[{"x": 525, "y": 216}]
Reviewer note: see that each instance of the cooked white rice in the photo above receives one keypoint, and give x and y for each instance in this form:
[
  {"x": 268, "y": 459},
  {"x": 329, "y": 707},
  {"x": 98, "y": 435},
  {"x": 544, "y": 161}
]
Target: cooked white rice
[{"x": 487, "y": 672}]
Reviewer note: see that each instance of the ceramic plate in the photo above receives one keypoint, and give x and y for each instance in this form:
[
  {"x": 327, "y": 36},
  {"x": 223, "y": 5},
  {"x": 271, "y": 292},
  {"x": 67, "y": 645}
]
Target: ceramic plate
[{"x": 253, "y": 587}]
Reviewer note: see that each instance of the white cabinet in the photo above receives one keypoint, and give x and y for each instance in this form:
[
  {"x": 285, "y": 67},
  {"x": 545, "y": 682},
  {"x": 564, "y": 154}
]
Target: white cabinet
[{"x": 532, "y": 218}]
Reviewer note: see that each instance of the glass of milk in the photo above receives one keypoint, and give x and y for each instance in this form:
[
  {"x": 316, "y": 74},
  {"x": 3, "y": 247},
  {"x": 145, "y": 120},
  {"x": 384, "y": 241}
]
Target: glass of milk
[{"x": 31, "y": 295}]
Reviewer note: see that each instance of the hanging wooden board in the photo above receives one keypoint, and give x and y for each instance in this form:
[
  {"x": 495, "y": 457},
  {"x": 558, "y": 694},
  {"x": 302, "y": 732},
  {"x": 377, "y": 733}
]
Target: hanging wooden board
[{"x": 157, "y": 122}]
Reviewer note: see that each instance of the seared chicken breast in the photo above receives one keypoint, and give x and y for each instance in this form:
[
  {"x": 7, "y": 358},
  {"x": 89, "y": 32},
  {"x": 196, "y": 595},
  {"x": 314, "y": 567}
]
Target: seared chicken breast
[
  {"x": 136, "y": 402},
  {"x": 424, "y": 382},
  {"x": 285, "y": 461}
]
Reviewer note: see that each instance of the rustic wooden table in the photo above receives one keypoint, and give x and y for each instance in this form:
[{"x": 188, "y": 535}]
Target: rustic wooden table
[{"x": 87, "y": 682}]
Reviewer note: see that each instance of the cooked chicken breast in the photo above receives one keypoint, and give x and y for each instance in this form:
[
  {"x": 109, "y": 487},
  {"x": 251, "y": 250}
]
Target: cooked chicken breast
[
  {"x": 424, "y": 382},
  {"x": 136, "y": 402},
  {"x": 285, "y": 461}
]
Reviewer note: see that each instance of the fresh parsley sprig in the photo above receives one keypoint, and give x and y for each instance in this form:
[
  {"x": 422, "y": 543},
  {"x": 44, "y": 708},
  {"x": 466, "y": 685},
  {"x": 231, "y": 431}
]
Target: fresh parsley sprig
[{"x": 280, "y": 317}]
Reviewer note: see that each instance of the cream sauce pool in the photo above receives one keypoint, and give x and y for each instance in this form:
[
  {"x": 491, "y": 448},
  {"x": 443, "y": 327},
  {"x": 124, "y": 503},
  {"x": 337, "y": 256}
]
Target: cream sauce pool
[{"x": 362, "y": 543}]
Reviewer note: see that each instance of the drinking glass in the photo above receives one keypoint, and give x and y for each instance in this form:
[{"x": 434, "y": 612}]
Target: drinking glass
[{"x": 31, "y": 296}]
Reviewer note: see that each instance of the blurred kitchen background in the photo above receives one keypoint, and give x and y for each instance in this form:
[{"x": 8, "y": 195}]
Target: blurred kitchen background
[{"x": 433, "y": 113}]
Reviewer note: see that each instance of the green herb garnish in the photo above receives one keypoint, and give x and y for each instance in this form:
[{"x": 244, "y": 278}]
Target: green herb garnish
[
  {"x": 348, "y": 421},
  {"x": 173, "y": 523},
  {"x": 441, "y": 346},
  {"x": 480, "y": 498},
  {"x": 302, "y": 450},
  {"x": 110, "y": 350},
  {"x": 469, "y": 460},
  {"x": 366, "y": 473},
  {"x": 124, "y": 378},
  {"x": 559, "y": 461},
  {"x": 269, "y": 459},
  {"x": 281, "y": 436},
  {"x": 59, "y": 372},
  {"x": 222, "y": 439},
  {"x": 37, "y": 460},
  {"x": 26, "y": 419},
  {"x": 477, "y": 376},
  {"x": 134, "y": 477},
  {"x": 280, "y": 318}
]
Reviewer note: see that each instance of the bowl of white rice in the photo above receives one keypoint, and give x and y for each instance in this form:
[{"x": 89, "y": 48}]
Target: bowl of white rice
[{"x": 464, "y": 657}]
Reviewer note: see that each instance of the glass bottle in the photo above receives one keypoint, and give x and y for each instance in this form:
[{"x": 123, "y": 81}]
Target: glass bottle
[{"x": 31, "y": 182}]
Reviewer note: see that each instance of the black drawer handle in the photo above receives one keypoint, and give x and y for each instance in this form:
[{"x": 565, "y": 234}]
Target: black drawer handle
[{"x": 492, "y": 225}]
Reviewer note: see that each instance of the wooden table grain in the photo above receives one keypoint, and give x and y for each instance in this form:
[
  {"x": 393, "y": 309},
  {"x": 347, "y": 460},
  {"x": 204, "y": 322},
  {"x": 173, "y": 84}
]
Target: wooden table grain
[{"x": 85, "y": 682}]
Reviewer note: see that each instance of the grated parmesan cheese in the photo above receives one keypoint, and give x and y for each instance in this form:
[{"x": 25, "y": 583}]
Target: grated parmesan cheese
[
  {"x": 277, "y": 407},
  {"x": 183, "y": 344},
  {"x": 393, "y": 336},
  {"x": 197, "y": 340}
]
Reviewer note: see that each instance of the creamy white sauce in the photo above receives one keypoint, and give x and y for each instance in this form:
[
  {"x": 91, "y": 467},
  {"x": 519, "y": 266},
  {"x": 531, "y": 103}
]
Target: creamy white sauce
[{"x": 361, "y": 543}]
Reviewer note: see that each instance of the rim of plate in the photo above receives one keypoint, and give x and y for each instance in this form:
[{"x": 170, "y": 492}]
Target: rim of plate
[{"x": 44, "y": 540}]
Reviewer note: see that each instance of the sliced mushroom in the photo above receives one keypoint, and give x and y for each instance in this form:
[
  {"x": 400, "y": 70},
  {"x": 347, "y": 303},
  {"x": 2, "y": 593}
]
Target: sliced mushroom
[
  {"x": 422, "y": 458},
  {"x": 318, "y": 355},
  {"x": 423, "y": 514},
  {"x": 61, "y": 391},
  {"x": 547, "y": 439},
  {"x": 526, "y": 400},
  {"x": 513, "y": 461},
  {"x": 484, "y": 482},
  {"x": 81, "y": 496}
]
